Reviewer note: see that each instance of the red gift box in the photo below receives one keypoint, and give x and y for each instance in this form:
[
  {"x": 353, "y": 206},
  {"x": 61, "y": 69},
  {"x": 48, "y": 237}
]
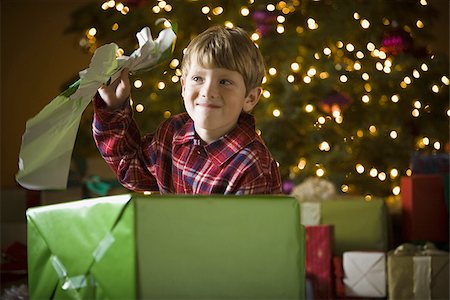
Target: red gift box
[
  {"x": 339, "y": 287},
  {"x": 424, "y": 214},
  {"x": 319, "y": 253}
]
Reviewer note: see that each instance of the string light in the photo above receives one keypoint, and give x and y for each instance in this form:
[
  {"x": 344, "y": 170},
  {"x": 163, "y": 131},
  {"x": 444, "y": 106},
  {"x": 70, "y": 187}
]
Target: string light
[
  {"x": 92, "y": 32},
  {"x": 311, "y": 72},
  {"x": 217, "y": 10},
  {"x": 228, "y": 24},
  {"x": 270, "y": 7},
  {"x": 344, "y": 188},
  {"x": 295, "y": 67},
  {"x": 324, "y": 146},
  {"x": 174, "y": 63},
  {"x": 370, "y": 46},
  {"x": 137, "y": 84},
  {"x": 156, "y": 9},
  {"x": 281, "y": 19},
  {"x": 312, "y": 24},
  {"x": 245, "y": 11},
  {"x": 359, "y": 168},
  {"x": 320, "y": 172},
  {"x": 365, "y": 23},
  {"x": 255, "y": 36},
  {"x": 161, "y": 85},
  {"x": 417, "y": 104},
  {"x": 302, "y": 163},
  {"x": 276, "y": 113},
  {"x": 393, "y": 173},
  {"x": 309, "y": 108},
  {"x": 205, "y": 10},
  {"x": 139, "y": 108},
  {"x": 119, "y": 6},
  {"x": 396, "y": 190},
  {"x": 280, "y": 28}
]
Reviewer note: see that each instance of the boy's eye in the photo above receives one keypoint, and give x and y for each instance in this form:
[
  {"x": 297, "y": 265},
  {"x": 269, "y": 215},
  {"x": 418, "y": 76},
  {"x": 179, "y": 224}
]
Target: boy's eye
[
  {"x": 225, "y": 81},
  {"x": 196, "y": 78}
]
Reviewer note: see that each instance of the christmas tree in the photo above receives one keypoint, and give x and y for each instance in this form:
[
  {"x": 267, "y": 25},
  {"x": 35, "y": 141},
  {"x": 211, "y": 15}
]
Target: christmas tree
[{"x": 351, "y": 90}]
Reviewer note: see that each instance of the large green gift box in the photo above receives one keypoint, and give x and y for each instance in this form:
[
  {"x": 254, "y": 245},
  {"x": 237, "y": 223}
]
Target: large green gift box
[
  {"x": 167, "y": 247},
  {"x": 359, "y": 225}
]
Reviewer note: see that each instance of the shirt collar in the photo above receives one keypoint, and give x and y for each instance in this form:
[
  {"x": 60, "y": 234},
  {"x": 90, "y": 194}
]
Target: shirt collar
[
  {"x": 225, "y": 147},
  {"x": 186, "y": 133}
]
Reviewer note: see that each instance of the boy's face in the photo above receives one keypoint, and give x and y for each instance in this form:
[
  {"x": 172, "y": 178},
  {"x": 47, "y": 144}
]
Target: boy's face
[{"x": 214, "y": 99}]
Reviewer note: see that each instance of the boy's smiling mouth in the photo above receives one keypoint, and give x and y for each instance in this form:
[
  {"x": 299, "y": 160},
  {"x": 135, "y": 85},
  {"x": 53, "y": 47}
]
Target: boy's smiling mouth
[{"x": 207, "y": 105}]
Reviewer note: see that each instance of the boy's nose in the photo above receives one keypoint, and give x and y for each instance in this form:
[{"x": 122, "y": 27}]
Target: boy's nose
[{"x": 209, "y": 90}]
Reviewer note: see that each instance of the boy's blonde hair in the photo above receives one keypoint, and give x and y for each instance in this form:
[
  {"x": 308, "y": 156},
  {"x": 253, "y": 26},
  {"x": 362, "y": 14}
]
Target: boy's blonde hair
[{"x": 221, "y": 47}]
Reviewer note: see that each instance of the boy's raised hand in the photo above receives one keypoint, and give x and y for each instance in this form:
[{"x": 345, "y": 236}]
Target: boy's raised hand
[{"x": 115, "y": 94}]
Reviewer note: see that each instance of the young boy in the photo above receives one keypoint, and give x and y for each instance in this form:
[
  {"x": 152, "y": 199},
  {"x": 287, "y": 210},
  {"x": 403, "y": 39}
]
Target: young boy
[{"x": 213, "y": 148}]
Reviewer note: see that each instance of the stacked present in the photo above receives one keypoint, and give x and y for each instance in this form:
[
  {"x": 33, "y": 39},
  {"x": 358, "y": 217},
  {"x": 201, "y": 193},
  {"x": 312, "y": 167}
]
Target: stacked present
[
  {"x": 348, "y": 241},
  {"x": 346, "y": 238},
  {"x": 167, "y": 247}
]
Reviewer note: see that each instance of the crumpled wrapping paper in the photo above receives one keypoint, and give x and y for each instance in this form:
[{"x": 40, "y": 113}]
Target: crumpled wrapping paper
[{"x": 49, "y": 138}]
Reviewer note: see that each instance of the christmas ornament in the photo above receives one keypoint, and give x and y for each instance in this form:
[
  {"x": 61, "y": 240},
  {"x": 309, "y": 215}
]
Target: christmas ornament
[
  {"x": 335, "y": 102},
  {"x": 396, "y": 41},
  {"x": 265, "y": 21},
  {"x": 287, "y": 186}
]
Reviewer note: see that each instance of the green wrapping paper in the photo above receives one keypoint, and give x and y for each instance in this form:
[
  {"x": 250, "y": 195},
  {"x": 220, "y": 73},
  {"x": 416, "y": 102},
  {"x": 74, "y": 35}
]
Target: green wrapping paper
[
  {"x": 359, "y": 225},
  {"x": 167, "y": 247},
  {"x": 403, "y": 279},
  {"x": 82, "y": 250}
]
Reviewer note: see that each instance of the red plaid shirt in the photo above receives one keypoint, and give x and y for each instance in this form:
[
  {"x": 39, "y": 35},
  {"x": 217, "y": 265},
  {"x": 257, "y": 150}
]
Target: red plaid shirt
[{"x": 175, "y": 160}]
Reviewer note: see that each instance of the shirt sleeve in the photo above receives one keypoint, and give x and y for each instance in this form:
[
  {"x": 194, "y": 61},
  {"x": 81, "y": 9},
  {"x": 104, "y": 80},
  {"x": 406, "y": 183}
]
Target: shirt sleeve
[{"x": 118, "y": 139}]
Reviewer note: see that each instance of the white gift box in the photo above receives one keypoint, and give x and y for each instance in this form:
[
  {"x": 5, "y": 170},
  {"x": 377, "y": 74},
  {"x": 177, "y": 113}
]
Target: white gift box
[{"x": 364, "y": 274}]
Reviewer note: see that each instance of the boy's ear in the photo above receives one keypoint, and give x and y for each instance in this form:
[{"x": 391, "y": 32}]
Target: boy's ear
[
  {"x": 182, "y": 86},
  {"x": 252, "y": 99}
]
